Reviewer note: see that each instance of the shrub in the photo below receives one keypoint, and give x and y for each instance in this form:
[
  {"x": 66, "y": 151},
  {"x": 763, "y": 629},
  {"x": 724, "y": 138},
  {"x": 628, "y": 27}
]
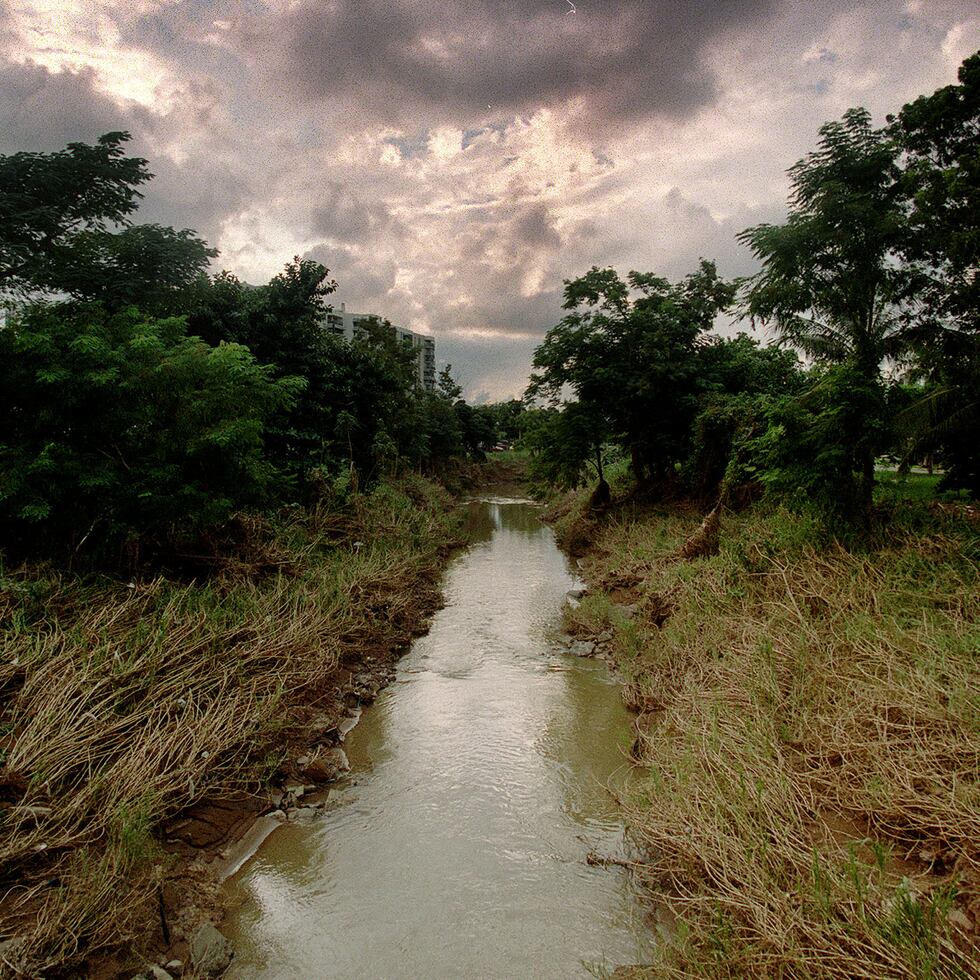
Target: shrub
[{"x": 114, "y": 426}]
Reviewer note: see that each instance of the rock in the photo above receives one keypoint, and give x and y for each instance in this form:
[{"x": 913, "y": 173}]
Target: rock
[
  {"x": 582, "y": 648},
  {"x": 303, "y": 760},
  {"x": 295, "y": 790},
  {"x": 577, "y": 593},
  {"x": 208, "y": 824},
  {"x": 327, "y": 766},
  {"x": 347, "y": 725},
  {"x": 629, "y": 611},
  {"x": 277, "y": 815},
  {"x": 154, "y": 972},
  {"x": 605, "y": 636},
  {"x": 211, "y": 953},
  {"x": 175, "y": 968},
  {"x": 323, "y": 728}
]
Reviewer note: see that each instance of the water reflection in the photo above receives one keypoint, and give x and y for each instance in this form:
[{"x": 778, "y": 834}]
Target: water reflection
[{"x": 481, "y": 787}]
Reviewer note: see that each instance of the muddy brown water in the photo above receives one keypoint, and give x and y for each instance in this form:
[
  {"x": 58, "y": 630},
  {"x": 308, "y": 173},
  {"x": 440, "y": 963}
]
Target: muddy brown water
[{"x": 480, "y": 784}]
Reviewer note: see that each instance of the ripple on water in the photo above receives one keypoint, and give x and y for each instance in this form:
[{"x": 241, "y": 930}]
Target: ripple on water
[{"x": 481, "y": 789}]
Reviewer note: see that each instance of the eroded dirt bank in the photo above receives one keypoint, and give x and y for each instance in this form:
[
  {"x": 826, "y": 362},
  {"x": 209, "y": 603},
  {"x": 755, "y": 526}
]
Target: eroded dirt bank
[{"x": 808, "y": 719}]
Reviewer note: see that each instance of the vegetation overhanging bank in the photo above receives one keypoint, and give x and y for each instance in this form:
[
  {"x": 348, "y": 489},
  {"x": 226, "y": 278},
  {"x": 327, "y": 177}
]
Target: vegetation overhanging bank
[
  {"x": 126, "y": 703},
  {"x": 807, "y": 734}
]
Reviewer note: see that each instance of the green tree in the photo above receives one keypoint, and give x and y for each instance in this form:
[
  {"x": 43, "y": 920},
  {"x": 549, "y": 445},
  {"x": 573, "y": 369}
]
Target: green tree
[
  {"x": 566, "y": 444},
  {"x": 741, "y": 380},
  {"x": 50, "y": 203},
  {"x": 120, "y": 425},
  {"x": 939, "y": 135},
  {"x": 831, "y": 282},
  {"x": 633, "y": 362},
  {"x": 148, "y": 266},
  {"x": 806, "y": 448},
  {"x": 281, "y": 324},
  {"x": 940, "y": 185}
]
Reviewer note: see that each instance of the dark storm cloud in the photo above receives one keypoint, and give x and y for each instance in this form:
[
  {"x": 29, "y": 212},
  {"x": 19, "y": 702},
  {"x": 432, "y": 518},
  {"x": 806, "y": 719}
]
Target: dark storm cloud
[
  {"x": 488, "y": 368},
  {"x": 625, "y": 58},
  {"x": 402, "y": 142},
  {"x": 364, "y": 279},
  {"x": 534, "y": 227},
  {"x": 342, "y": 215},
  {"x": 43, "y": 110}
]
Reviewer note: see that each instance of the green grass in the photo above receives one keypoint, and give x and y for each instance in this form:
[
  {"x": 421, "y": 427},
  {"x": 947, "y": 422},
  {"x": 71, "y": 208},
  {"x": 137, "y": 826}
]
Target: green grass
[{"x": 893, "y": 486}]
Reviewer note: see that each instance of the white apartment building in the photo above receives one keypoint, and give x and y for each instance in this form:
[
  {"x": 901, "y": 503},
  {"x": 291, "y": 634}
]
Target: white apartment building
[{"x": 347, "y": 324}]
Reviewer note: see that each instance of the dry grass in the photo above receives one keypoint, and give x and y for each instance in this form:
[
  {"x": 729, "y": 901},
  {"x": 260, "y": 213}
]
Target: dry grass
[
  {"x": 122, "y": 703},
  {"x": 811, "y": 728}
]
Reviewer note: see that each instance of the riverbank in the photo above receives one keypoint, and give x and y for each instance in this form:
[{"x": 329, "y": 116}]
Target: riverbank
[
  {"x": 809, "y": 723},
  {"x": 480, "y": 790},
  {"x": 146, "y": 724}
]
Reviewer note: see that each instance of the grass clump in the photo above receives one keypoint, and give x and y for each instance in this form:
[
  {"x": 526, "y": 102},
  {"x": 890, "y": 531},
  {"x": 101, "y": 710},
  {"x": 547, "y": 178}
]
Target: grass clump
[
  {"x": 121, "y": 703},
  {"x": 810, "y": 725}
]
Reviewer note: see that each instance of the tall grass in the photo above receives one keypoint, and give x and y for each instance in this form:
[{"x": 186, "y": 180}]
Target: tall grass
[
  {"x": 123, "y": 703},
  {"x": 810, "y": 727}
]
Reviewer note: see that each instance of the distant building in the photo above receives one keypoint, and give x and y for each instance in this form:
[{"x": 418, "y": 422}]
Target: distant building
[{"x": 346, "y": 324}]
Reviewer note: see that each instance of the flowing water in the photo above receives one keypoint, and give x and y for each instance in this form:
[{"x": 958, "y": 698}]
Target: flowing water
[{"x": 479, "y": 787}]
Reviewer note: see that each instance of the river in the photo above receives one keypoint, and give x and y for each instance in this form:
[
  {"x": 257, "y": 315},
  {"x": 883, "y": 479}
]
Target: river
[{"x": 479, "y": 786}]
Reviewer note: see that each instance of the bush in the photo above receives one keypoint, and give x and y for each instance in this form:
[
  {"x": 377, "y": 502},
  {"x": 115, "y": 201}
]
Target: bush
[
  {"x": 114, "y": 426},
  {"x": 811, "y": 453}
]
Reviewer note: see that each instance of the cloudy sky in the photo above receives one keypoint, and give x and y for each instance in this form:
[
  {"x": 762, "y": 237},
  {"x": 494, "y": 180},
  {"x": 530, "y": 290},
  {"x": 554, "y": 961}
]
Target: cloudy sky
[{"x": 452, "y": 162}]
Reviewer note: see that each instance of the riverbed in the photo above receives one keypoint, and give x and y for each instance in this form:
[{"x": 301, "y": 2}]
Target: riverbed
[{"x": 480, "y": 782}]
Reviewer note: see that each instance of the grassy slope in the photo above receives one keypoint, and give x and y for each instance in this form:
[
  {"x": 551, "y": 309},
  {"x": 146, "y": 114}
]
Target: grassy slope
[
  {"x": 120, "y": 704},
  {"x": 810, "y": 726}
]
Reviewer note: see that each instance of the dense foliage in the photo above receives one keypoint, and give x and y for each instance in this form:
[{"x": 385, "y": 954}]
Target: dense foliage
[
  {"x": 872, "y": 278},
  {"x": 121, "y": 424},
  {"x": 144, "y": 400}
]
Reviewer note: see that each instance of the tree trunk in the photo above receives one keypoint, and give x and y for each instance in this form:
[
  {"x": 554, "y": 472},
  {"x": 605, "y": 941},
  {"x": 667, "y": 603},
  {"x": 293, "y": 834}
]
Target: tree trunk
[{"x": 867, "y": 485}]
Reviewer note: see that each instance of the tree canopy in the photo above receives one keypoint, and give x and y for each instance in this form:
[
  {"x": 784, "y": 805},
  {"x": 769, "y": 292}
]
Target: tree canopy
[
  {"x": 628, "y": 353},
  {"x": 50, "y": 204}
]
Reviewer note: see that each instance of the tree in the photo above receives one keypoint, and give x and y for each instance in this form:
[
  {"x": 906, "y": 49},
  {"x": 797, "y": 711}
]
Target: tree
[
  {"x": 740, "y": 381},
  {"x": 633, "y": 363},
  {"x": 831, "y": 282},
  {"x": 939, "y": 135},
  {"x": 149, "y": 266},
  {"x": 281, "y": 324},
  {"x": 49, "y": 201},
  {"x": 940, "y": 186},
  {"x": 566, "y": 444},
  {"x": 805, "y": 448},
  {"x": 119, "y": 425}
]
